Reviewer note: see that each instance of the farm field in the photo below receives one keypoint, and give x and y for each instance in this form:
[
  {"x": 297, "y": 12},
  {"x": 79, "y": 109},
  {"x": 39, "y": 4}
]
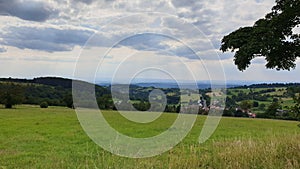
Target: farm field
[
  {"x": 278, "y": 93},
  {"x": 31, "y": 137}
]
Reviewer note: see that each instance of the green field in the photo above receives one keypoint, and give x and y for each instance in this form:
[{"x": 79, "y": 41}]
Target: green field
[
  {"x": 31, "y": 137},
  {"x": 286, "y": 102}
]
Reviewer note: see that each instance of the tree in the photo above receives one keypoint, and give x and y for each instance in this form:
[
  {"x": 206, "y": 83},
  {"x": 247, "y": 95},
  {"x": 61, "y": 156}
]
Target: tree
[
  {"x": 142, "y": 106},
  {"x": 272, "y": 109},
  {"x": 296, "y": 108},
  {"x": 255, "y": 104},
  {"x": 275, "y": 100},
  {"x": 11, "y": 94},
  {"x": 229, "y": 112},
  {"x": 246, "y": 105},
  {"x": 240, "y": 113},
  {"x": 271, "y": 37},
  {"x": 68, "y": 99},
  {"x": 262, "y": 106},
  {"x": 230, "y": 102},
  {"x": 44, "y": 105}
]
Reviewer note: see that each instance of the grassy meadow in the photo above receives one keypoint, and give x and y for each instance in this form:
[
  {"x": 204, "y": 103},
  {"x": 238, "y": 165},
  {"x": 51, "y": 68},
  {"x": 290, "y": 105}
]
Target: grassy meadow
[{"x": 31, "y": 137}]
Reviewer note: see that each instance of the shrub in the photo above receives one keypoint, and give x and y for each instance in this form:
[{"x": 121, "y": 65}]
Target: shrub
[
  {"x": 255, "y": 104},
  {"x": 44, "y": 105},
  {"x": 228, "y": 112}
]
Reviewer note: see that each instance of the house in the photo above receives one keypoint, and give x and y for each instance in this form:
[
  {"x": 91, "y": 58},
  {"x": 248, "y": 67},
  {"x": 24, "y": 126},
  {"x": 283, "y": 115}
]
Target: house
[{"x": 252, "y": 115}]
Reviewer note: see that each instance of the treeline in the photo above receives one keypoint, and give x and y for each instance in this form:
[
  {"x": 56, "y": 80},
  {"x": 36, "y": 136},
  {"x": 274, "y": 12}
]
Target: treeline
[
  {"x": 51, "y": 90},
  {"x": 268, "y": 85},
  {"x": 141, "y": 94},
  {"x": 51, "y": 81}
]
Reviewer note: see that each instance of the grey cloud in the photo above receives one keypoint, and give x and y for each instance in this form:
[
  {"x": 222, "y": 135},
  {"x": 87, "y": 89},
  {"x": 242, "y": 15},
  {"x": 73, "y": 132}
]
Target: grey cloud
[
  {"x": 259, "y": 1},
  {"x": 2, "y": 50},
  {"x": 91, "y": 1},
  {"x": 181, "y": 3},
  {"x": 45, "y": 59},
  {"x": 154, "y": 42},
  {"x": 45, "y": 39},
  {"x": 187, "y": 28},
  {"x": 184, "y": 51},
  {"x": 147, "y": 42},
  {"x": 85, "y": 1},
  {"x": 27, "y": 10}
]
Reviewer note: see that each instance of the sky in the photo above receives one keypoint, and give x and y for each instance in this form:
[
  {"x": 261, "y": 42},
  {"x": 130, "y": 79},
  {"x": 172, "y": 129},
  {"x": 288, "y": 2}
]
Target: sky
[{"x": 123, "y": 41}]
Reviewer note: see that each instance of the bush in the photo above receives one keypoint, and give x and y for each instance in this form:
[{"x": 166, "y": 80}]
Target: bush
[
  {"x": 262, "y": 115},
  {"x": 44, "y": 105},
  {"x": 255, "y": 104},
  {"x": 228, "y": 113},
  {"x": 240, "y": 113},
  {"x": 262, "y": 106}
]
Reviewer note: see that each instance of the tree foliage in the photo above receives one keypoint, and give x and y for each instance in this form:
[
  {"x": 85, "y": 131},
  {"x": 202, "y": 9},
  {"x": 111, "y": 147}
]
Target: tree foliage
[
  {"x": 296, "y": 108},
  {"x": 44, "y": 105},
  {"x": 11, "y": 94},
  {"x": 246, "y": 105},
  {"x": 273, "y": 108},
  {"x": 271, "y": 37}
]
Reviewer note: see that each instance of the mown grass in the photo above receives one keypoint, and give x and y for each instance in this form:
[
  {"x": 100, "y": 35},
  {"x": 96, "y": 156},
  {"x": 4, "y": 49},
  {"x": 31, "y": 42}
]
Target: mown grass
[{"x": 31, "y": 137}]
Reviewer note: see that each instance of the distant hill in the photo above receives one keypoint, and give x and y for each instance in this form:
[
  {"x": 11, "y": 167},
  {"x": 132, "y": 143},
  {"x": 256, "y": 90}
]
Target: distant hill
[
  {"x": 51, "y": 81},
  {"x": 269, "y": 85},
  {"x": 200, "y": 85},
  {"x": 53, "y": 90}
]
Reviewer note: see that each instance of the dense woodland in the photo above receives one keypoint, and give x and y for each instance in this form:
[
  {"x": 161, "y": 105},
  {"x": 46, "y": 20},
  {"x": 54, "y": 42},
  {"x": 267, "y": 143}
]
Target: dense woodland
[{"x": 54, "y": 91}]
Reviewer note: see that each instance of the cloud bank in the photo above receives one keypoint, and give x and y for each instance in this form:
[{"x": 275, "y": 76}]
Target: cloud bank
[
  {"x": 31, "y": 10},
  {"x": 45, "y": 29}
]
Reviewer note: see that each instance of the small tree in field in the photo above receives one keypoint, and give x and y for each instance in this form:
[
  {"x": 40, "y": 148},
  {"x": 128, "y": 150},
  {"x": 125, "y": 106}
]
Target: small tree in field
[
  {"x": 272, "y": 109},
  {"x": 246, "y": 105},
  {"x": 68, "y": 99},
  {"x": 11, "y": 94},
  {"x": 255, "y": 104},
  {"x": 44, "y": 105},
  {"x": 296, "y": 108}
]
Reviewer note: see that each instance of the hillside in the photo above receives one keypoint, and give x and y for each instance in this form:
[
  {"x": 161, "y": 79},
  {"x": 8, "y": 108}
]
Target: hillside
[
  {"x": 53, "y": 90},
  {"x": 275, "y": 100},
  {"x": 262, "y": 98}
]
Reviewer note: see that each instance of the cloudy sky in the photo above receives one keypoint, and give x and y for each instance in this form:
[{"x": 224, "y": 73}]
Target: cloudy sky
[{"x": 124, "y": 40}]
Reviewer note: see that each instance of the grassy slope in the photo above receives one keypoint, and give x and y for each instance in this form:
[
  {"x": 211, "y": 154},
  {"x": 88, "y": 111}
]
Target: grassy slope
[
  {"x": 285, "y": 101},
  {"x": 31, "y": 137}
]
